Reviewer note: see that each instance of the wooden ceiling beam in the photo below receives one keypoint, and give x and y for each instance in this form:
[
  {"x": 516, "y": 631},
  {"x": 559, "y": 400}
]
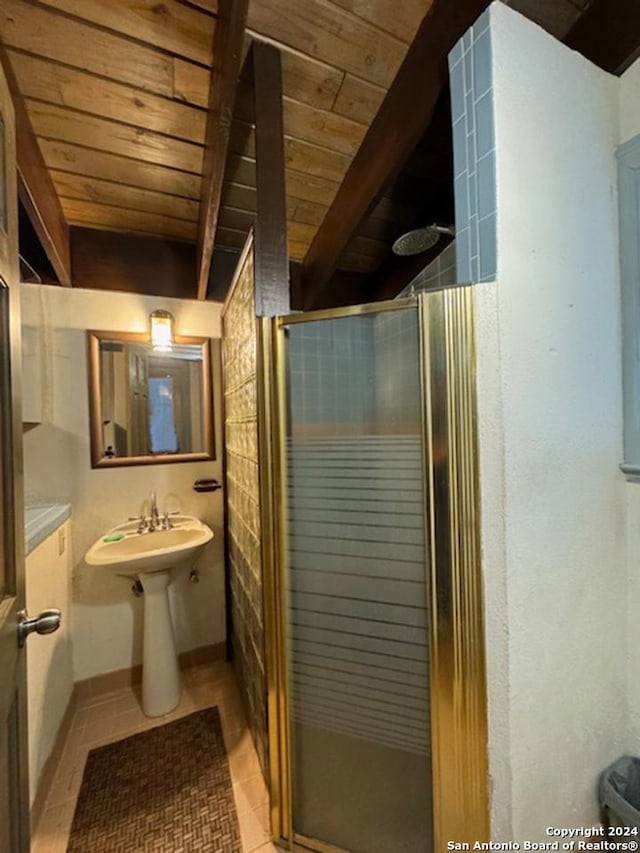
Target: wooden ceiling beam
[
  {"x": 397, "y": 128},
  {"x": 35, "y": 186},
  {"x": 227, "y": 63},
  {"x": 608, "y": 34}
]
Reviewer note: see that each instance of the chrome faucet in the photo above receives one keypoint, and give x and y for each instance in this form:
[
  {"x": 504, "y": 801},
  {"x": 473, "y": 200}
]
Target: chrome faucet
[{"x": 154, "y": 521}]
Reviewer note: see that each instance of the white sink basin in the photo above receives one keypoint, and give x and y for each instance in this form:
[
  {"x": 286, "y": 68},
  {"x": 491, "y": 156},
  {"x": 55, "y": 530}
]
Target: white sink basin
[
  {"x": 150, "y": 558},
  {"x": 137, "y": 553}
]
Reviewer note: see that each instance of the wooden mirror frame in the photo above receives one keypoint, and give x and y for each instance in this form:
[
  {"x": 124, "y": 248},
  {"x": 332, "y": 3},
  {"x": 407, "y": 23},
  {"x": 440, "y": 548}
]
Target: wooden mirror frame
[{"x": 94, "y": 338}]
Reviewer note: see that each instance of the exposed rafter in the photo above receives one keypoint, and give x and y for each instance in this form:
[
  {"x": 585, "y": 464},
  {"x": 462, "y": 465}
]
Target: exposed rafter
[
  {"x": 35, "y": 187},
  {"x": 397, "y": 128},
  {"x": 227, "y": 61},
  {"x": 608, "y": 33}
]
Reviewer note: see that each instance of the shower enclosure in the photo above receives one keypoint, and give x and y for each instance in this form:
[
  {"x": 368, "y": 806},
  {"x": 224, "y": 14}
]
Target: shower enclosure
[{"x": 371, "y": 574}]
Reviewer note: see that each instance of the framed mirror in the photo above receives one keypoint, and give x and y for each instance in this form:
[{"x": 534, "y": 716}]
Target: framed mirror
[{"x": 148, "y": 407}]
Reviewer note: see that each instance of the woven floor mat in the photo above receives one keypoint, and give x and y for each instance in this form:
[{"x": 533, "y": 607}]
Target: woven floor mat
[{"x": 166, "y": 790}]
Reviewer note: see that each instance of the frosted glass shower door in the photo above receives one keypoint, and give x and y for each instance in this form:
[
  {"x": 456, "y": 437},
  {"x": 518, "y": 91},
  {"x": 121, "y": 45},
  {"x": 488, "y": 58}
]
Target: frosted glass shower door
[{"x": 355, "y": 567}]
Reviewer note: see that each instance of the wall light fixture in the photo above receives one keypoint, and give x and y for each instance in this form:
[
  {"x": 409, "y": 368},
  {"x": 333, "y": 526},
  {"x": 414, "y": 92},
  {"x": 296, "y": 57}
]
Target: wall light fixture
[{"x": 161, "y": 329}]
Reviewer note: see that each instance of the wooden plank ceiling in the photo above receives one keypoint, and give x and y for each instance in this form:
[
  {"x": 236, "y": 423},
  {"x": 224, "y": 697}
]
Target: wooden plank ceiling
[{"x": 117, "y": 94}]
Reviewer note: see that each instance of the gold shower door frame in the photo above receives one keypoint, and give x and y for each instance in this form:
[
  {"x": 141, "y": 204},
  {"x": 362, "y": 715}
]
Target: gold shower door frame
[{"x": 457, "y": 674}]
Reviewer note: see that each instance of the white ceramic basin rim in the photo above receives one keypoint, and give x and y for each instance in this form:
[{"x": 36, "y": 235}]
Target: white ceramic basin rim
[{"x": 150, "y": 552}]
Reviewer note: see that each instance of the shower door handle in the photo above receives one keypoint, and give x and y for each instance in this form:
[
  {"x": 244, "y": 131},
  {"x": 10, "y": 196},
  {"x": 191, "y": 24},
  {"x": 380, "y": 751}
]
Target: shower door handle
[{"x": 45, "y": 623}]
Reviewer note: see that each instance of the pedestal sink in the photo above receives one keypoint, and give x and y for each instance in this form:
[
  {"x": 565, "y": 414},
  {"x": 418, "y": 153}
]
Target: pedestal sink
[{"x": 150, "y": 557}]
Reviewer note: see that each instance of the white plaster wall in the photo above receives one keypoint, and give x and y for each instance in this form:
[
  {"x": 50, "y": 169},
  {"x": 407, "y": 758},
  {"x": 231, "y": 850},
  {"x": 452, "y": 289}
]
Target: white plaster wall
[
  {"x": 494, "y": 558},
  {"x": 632, "y": 491},
  {"x": 49, "y": 658},
  {"x": 107, "y": 619},
  {"x": 555, "y": 525},
  {"x": 629, "y": 100}
]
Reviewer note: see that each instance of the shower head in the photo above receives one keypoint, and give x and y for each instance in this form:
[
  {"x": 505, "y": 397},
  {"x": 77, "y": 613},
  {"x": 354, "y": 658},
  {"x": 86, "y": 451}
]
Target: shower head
[{"x": 421, "y": 239}]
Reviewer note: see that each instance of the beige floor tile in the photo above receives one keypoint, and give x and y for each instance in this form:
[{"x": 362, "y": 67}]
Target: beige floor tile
[
  {"x": 54, "y": 827},
  {"x": 229, "y": 690},
  {"x": 66, "y": 782},
  {"x": 237, "y": 739},
  {"x": 204, "y": 695},
  {"x": 129, "y": 722},
  {"x": 243, "y": 765},
  {"x": 253, "y": 829},
  {"x": 232, "y": 714},
  {"x": 99, "y": 730},
  {"x": 215, "y": 673},
  {"x": 39, "y": 844},
  {"x": 98, "y": 709},
  {"x": 125, "y": 702},
  {"x": 250, "y": 794},
  {"x": 66, "y": 786},
  {"x": 79, "y": 719}
]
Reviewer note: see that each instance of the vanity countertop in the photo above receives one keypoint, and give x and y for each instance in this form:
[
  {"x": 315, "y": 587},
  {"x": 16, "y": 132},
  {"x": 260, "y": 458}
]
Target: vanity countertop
[{"x": 42, "y": 521}]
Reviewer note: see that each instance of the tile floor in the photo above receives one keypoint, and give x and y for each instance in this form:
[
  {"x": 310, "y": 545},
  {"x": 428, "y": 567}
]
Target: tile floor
[{"x": 113, "y": 716}]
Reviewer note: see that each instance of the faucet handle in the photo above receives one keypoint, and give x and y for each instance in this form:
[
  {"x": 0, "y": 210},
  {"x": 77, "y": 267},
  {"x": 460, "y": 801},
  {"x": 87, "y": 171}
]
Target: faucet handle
[
  {"x": 143, "y": 523},
  {"x": 167, "y": 524}
]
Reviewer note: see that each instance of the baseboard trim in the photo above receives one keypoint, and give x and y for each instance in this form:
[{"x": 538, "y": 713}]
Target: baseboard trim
[
  {"x": 120, "y": 678},
  {"x": 51, "y": 764},
  {"x": 92, "y": 687}
]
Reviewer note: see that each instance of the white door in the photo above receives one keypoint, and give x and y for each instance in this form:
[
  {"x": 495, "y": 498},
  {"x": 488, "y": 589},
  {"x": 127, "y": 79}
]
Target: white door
[{"x": 14, "y": 788}]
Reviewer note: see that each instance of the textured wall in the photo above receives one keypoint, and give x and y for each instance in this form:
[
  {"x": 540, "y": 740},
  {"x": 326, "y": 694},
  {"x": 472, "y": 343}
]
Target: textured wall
[
  {"x": 553, "y": 497},
  {"x": 243, "y": 498},
  {"x": 630, "y": 128}
]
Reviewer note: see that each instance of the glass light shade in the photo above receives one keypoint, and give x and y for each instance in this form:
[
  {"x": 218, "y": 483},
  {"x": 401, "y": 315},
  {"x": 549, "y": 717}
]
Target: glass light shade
[{"x": 161, "y": 329}]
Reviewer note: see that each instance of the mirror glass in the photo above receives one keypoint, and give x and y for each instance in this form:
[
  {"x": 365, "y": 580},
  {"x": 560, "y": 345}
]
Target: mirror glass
[{"x": 147, "y": 406}]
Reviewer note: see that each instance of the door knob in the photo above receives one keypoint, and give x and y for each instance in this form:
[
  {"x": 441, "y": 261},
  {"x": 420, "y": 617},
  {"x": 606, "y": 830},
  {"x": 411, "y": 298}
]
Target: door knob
[{"x": 46, "y": 623}]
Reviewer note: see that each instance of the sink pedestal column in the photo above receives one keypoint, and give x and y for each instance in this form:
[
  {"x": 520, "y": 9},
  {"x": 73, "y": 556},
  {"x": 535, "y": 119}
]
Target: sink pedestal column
[{"x": 161, "y": 686}]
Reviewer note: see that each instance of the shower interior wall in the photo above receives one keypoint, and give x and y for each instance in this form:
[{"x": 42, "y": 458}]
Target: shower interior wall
[
  {"x": 354, "y": 581},
  {"x": 330, "y": 378}
]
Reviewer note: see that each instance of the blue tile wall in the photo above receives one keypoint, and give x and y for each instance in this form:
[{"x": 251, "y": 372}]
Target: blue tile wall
[
  {"x": 471, "y": 75},
  {"x": 441, "y": 272},
  {"x": 330, "y": 371},
  {"x": 397, "y": 370},
  {"x": 357, "y": 371}
]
